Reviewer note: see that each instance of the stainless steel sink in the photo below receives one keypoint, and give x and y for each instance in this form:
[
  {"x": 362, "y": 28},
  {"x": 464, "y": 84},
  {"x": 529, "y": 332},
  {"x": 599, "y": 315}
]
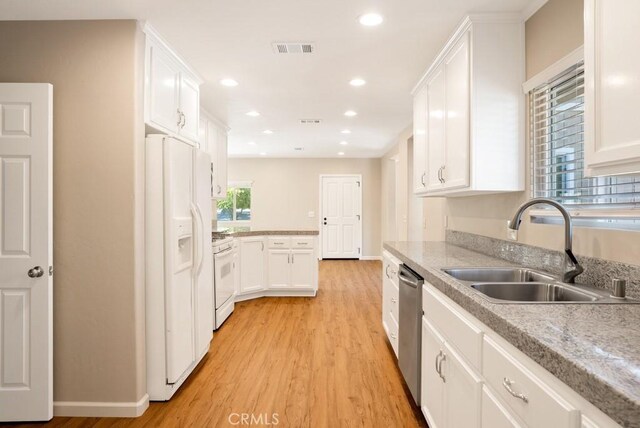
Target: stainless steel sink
[
  {"x": 522, "y": 285},
  {"x": 534, "y": 292},
  {"x": 505, "y": 274}
]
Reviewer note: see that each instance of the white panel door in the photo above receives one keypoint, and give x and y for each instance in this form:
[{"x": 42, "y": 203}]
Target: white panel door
[
  {"x": 457, "y": 90},
  {"x": 190, "y": 108},
  {"x": 26, "y": 335},
  {"x": 341, "y": 217},
  {"x": 303, "y": 268},
  {"x": 612, "y": 87},
  {"x": 164, "y": 81},
  {"x": 279, "y": 268},
  {"x": 435, "y": 129},
  {"x": 180, "y": 258}
]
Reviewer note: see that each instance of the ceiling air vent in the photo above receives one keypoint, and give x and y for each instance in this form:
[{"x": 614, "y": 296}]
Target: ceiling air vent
[
  {"x": 310, "y": 121},
  {"x": 294, "y": 48}
]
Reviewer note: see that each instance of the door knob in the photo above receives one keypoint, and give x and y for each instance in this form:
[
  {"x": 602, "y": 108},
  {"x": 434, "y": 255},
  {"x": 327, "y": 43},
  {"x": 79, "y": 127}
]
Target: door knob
[{"x": 35, "y": 272}]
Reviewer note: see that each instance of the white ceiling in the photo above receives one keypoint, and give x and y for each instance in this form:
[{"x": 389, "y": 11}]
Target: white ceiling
[{"x": 232, "y": 38}]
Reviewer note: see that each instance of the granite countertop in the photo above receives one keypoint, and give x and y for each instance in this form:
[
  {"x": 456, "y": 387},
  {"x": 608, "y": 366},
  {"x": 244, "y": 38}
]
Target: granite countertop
[
  {"x": 593, "y": 348},
  {"x": 238, "y": 232}
]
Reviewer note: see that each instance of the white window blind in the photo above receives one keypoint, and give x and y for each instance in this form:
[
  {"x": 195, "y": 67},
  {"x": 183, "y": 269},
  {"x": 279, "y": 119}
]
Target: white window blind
[{"x": 557, "y": 117}]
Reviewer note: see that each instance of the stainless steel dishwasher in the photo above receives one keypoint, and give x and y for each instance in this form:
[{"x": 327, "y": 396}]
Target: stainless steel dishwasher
[{"x": 409, "y": 329}]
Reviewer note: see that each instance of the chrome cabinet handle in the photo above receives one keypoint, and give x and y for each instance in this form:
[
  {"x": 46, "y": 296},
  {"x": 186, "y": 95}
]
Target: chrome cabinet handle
[
  {"x": 288, "y": 258},
  {"x": 394, "y": 336},
  {"x": 393, "y": 300},
  {"x": 437, "y": 364},
  {"x": 386, "y": 271},
  {"x": 439, "y": 369},
  {"x": 180, "y": 118},
  {"x": 422, "y": 179},
  {"x": 262, "y": 243},
  {"x": 293, "y": 258},
  {"x": 35, "y": 272},
  {"x": 442, "y": 174},
  {"x": 219, "y": 188},
  {"x": 439, "y": 174},
  {"x": 507, "y": 383}
]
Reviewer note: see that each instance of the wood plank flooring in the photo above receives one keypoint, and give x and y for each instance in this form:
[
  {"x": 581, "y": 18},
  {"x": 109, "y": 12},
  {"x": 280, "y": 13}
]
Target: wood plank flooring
[{"x": 315, "y": 362}]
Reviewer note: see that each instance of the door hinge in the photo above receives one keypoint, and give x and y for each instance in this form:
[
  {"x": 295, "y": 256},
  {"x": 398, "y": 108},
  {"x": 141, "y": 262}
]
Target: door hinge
[
  {"x": 358, "y": 250},
  {"x": 50, "y": 270}
]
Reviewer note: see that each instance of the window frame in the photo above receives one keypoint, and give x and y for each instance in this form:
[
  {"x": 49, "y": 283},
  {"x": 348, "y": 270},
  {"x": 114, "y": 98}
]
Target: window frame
[
  {"x": 233, "y": 186},
  {"x": 606, "y": 216}
]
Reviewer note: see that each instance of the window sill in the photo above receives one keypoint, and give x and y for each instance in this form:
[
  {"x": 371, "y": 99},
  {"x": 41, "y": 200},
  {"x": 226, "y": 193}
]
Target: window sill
[{"x": 626, "y": 219}]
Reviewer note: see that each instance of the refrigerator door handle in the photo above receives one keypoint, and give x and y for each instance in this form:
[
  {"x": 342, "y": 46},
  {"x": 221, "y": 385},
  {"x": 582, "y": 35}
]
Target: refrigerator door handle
[
  {"x": 196, "y": 238},
  {"x": 201, "y": 240}
]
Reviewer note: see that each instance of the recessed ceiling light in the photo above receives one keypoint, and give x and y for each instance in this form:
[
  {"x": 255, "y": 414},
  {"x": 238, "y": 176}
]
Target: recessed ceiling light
[
  {"x": 267, "y": 131},
  {"x": 345, "y": 131},
  {"x": 263, "y": 154},
  {"x": 252, "y": 143},
  {"x": 350, "y": 113},
  {"x": 343, "y": 143},
  {"x": 371, "y": 19},
  {"x": 340, "y": 153},
  {"x": 253, "y": 113},
  {"x": 357, "y": 82},
  {"x": 228, "y": 82}
]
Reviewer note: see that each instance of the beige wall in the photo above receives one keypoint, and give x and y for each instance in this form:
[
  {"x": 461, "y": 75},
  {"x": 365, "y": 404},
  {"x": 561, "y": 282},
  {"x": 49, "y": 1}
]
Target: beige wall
[
  {"x": 95, "y": 69},
  {"x": 285, "y": 190},
  {"x": 395, "y": 189},
  {"x": 553, "y": 32}
]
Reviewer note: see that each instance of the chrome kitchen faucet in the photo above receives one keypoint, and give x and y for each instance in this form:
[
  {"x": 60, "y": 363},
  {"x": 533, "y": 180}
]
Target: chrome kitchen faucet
[{"x": 574, "y": 268}]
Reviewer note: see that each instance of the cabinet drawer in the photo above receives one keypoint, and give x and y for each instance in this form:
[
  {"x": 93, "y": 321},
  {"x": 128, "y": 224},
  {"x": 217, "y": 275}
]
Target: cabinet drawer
[
  {"x": 302, "y": 242},
  {"x": 539, "y": 406},
  {"x": 456, "y": 328},
  {"x": 393, "y": 334},
  {"x": 390, "y": 296},
  {"x": 279, "y": 242}
]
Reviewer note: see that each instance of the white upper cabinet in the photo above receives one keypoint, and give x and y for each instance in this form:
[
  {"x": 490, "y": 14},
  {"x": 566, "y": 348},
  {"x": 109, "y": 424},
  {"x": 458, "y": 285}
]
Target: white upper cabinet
[
  {"x": 213, "y": 140},
  {"x": 470, "y": 102},
  {"x": 612, "y": 87},
  {"x": 172, "y": 90}
]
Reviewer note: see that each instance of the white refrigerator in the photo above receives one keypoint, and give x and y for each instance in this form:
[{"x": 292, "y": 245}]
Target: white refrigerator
[{"x": 179, "y": 262}]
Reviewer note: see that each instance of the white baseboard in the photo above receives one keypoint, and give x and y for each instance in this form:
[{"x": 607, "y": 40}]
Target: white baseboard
[
  {"x": 275, "y": 293},
  {"x": 371, "y": 258},
  {"x": 101, "y": 409}
]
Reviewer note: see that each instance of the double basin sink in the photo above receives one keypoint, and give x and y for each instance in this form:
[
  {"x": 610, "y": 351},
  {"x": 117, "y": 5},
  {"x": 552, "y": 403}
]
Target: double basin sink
[{"x": 521, "y": 285}]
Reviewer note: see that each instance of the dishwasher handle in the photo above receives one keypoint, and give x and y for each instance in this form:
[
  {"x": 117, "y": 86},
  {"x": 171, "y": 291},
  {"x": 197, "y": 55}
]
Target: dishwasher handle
[{"x": 409, "y": 278}]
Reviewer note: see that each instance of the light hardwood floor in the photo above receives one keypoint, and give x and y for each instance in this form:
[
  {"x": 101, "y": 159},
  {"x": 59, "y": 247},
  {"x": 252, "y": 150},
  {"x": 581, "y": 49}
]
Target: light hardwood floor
[{"x": 316, "y": 362}]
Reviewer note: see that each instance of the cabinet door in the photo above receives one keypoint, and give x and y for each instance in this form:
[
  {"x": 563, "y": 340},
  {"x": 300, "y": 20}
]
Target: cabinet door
[
  {"x": 279, "y": 268},
  {"x": 212, "y": 146},
  {"x": 420, "y": 140},
  {"x": 251, "y": 265},
  {"x": 303, "y": 268},
  {"x": 435, "y": 128},
  {"x": 163, "y": 91},
  {"x": 221, "y": 162},
  {"x": 494, "y": 414},
  {"x": 455, "y": 173},
  {"x": 190, "y": 107},
  {"x": 612, "y": 87},
  {"x": 431, "y": 384},
  {"x": 462, "y": 385},
  {"x": 236, "y": 271}
]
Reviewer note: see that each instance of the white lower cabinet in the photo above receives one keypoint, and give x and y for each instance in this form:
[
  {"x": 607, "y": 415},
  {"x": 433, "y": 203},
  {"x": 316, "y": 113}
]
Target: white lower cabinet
[
  {"x": 304, "y": 266},
  {"x": 278, "y": 266},
  {"x": 390, "y": 297},
  {"x": 451, "y": 390},
  {"x": 472, "y": 377},
  {"x": 252, "y": 264}
]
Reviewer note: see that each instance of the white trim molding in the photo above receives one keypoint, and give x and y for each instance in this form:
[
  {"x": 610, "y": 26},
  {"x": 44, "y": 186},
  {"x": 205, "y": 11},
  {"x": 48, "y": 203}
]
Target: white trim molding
[
  {"x": 532, "y": 8},
  {"x": 371, "y": 258},
  {"x": 554, "y": 70},
  {"x": 101, "y": 409}
]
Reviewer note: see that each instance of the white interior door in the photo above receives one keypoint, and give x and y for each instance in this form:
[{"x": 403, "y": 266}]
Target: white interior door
[
  {"x": 341, "y": 217},
  {"x": 26, "y": 252}
]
